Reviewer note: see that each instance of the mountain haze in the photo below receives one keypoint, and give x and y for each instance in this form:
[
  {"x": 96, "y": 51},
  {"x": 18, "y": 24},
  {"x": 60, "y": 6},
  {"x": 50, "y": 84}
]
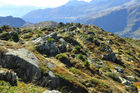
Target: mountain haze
[{"x": 120, "y": 16}]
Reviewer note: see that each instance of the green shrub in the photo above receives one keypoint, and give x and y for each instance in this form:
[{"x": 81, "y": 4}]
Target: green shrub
[
  {"x": 63, "y": 58},
  {"x": 5, "y": 87},
  {"x": 86, "y": 63},
  {"x": 15, "y": 37},
  {"x": 77, "y": 47},
  {"x": 89, "y": 38},
  {"x": 99, "y": 82},
  {"x": 84, "y": 59},
  {"x": 27, "y": 36},
  {"x": 106, "y": 69},
  {"x": 50, "y": 40},
  {"x": 74, "y": 70},
  {"x": 5, "y": 36}
]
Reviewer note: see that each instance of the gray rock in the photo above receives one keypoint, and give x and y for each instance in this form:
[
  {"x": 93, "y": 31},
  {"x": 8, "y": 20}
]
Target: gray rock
[
  {"x": 132, "y": 78},
  {"x": 51, "y": 91},
  {"x": 50, "y": 81},
  {"x": 105, "y": 48},
  {"x": 38, "y": 41},
  {"x": 120, "y": 70},
  {"x": 9, "y": 76},
  {"x": 125, "y": 81},
  {"x": 53, "y": 35},
  {"x": 51, "y": 65},
  {"x": 110, "y": 57},
  {"x": 50, "y": 48},
  {"x": 23, "y": 62},
  {"x": 62, "y": 45}
]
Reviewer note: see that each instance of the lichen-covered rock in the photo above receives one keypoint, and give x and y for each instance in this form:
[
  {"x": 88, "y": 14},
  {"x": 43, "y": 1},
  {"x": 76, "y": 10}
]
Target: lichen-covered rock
[
  {"x": 9, "y": 76},
  {"x": 23, "y": 62}
]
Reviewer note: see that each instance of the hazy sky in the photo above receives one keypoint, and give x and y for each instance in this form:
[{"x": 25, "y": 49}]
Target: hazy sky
[
  {"x": 36, "y": 3},
  {"x": 18, "y": 8}
]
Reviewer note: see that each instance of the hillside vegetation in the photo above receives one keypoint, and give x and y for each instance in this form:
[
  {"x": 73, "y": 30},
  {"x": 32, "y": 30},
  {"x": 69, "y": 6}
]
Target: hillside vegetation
[{"x": 69, "y": 58}]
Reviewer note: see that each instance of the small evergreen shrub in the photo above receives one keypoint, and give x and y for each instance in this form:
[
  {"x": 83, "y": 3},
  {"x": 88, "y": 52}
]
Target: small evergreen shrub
[
  {"x": 84, "y": 59},
  {"x": 63, "y": 58},
  {"x": 15, "y": 37}
]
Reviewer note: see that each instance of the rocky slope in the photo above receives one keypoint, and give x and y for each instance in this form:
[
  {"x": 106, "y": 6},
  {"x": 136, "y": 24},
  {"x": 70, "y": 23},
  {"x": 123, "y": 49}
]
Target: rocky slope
[{"x": 68, "y": 58}]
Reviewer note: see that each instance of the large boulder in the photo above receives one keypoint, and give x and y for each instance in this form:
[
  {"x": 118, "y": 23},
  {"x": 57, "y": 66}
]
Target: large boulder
[{"x": 23, "y": 62}]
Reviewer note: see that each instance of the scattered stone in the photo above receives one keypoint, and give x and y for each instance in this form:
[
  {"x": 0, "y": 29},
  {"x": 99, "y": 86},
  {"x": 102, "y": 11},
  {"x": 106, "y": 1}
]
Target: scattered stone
[
  {"x": 125, "y": 81},
  {"x": 105, "y": 48},
  {"x": 110, "y": 57},
  {"x": 9, "y": 76},
  {"x": 51, "y": 91},
  {"x": 132, "y": 78},
  {"x": 53, "y": 35},
  {"x": 120, "y": 70}
]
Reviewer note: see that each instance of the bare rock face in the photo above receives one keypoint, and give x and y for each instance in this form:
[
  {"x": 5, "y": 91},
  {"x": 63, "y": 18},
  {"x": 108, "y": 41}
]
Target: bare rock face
[
  {"x": 23, "y": 62},
  {"x": 9, "y": 76}
]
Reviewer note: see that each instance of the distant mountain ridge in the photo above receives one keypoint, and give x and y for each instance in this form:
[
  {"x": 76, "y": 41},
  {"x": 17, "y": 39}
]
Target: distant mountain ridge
[
  {"x": 71, "y": 11},
  {"x": 117, "y": 16},
  {"x": 9, "y": 20},
  {"x": 125, "y": 21}
]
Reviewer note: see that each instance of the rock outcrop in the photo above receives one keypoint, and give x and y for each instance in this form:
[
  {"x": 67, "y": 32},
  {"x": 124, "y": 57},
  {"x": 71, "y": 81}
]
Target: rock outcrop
[
  {"x": 50, "y": 45},
  {"x": 23, "y": 62}
]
